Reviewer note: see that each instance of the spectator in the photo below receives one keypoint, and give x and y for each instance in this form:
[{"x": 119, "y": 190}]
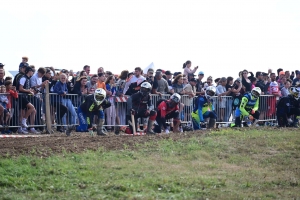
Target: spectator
[
  {"x": 169, "y": 77},
  {"x": 61, "y": 89},
  {"x": 190, "y": 90},
  {"x": 228, "y": 109},
  {"x": 80, "y": 88},
  {"x": 107, "y": 74},
  {"x": 33, "y": 68},
  {"x": 296, "y": 80},
  {"x": 38, "y": 86},
  {"x": 24, "y": 62},
  {"x": 11, "y": 90},
  {"x": 281, "y": 76},
  {"x": 24, "y": 101},
  {"x": 133, "y": 84},
  {"x": 285, "y": 91},
  {"x": 187, "y": 68},
  {"x": 92, "y": 84},
  {"x": 1, "y": 66},
  {"x": 4, "y": 102},
  {"x": 121, "y": 110},
  {"x": 111, "y": 111},
  {"x": 177, "y": 84},
  {"x": 199, "y": 85},
  {"x": 209, "y": 82},
  {"x": 160, "y": 85},
  {"x": 274, "y": 88},
  {"x": 246, "y": 81},
  {"x": 278, "y": 73},
  {"x": 253, "y": 81},
  {"x": 237, "y": 93},
  {"x": 260, "y": 82},
  {"x": 2, "y": 74},
  {"x": 100, "y": 70},
  {"x": 185, "y": 80},
  {"x": 150, "y": 77},
  {"x": 221, "y": 91},
  {"x": 87, "y": 70}
]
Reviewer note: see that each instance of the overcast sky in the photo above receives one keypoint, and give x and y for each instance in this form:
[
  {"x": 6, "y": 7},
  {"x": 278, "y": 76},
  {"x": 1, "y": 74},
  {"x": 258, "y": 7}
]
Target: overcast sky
[{"x": 220, "y": 36}]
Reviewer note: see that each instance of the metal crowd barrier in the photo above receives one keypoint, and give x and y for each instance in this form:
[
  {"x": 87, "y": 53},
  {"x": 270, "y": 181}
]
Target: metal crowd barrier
[{"x": 63, "y": 110}]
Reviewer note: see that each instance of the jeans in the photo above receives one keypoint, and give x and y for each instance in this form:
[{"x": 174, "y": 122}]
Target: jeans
[{"x": 71, "y": 109}]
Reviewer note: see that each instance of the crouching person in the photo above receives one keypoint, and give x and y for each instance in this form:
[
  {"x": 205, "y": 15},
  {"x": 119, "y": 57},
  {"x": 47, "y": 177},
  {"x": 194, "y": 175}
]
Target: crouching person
[
  {"x": 92, "y": 105},
  {"x": 204, "y": 109},
  {"x": 288, "y": 106},
  {"x": 247, "y": 110},
  {"x": 168, "y": 109},
  {"x": 142, "y": 107}
]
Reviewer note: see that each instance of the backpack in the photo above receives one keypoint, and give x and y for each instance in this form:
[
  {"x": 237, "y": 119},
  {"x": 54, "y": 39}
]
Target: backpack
[{"x": 134, "y": 88}]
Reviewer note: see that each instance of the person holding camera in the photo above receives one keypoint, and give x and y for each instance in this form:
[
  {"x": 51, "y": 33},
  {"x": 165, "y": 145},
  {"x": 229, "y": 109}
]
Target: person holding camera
[{"x": 187, "y": 68}]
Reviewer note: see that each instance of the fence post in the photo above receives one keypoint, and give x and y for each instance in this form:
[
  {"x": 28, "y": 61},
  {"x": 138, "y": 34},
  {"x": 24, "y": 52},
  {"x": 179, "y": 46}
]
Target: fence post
[{"x": 48, "y": 114}]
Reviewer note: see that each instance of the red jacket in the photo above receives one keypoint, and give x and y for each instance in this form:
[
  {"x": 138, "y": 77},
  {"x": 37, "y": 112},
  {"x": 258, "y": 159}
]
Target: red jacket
[
  {"x": 11, "y": 94},
  {"x": 165, "y": 109}
]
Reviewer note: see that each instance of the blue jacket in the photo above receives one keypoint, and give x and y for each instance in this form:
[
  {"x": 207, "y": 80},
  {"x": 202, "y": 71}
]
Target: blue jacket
[{"x": 60, "y": 88}]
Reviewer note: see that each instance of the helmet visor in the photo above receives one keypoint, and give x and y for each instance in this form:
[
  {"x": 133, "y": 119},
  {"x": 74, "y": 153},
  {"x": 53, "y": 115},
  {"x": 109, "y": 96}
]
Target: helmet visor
[
  {"x": 255, "y": 94},
  {"x": 99, "y": 97},
  {"x": 175, "y": 99},
  {"x": 210, "y": 93}
]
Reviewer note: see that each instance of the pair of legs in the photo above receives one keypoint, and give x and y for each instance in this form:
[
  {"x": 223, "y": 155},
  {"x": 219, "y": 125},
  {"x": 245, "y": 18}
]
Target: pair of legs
[
  {"x": 142, "y": 114},
  {"x": 239, "y": 117},
  {"x": 86, "y": 119},
  {"x": 208, "y": 114},
  {"x": 161, "y": 122},
  {"x": 68, "y": 103}
]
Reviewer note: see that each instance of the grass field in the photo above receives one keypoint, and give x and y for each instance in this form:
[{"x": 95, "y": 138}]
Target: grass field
[{"x": 225, "y": 164}]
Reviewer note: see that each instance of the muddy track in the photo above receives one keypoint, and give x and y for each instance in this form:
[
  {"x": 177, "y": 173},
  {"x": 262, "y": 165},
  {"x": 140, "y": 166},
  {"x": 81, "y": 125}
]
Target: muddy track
[{"x": 56, "y": 143}]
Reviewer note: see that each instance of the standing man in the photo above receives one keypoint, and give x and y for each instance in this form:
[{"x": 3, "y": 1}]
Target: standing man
[
  {"x": 199, "y": 84},
  {"x": 87, "y": 69},
  {"x": 169, "y": 77},
  {"x": 134, "y": 82},
  {"x": 38, "y": 86},
  {"x": 92, "y": 84},
  {"x": 2, "y": 74},
  {"x": 160, "y": 85}
]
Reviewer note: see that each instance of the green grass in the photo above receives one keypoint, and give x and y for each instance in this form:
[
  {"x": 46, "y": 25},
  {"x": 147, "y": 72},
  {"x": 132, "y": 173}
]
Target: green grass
[{"x": 226, "y": 164}]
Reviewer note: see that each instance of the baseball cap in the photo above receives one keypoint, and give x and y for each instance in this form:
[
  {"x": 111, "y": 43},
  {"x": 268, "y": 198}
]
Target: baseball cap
[
  {"x": 282, "y": 73},
  {"x": 193, "y": 79},
  {"x": 168, "y": 73},
  {"x": 201, "y": 73},
  {"x": 22, "y": 65},
  {"x": 28, "y": 69},
  {"x": 191, "y": 74},
  {"x": 238, "y": 80},
  {"x": 177, "y": 73},
  {"x": 1, "y": 65},
  {"x": 297, "y": 72},
  {"x": 150, "y": 70}
]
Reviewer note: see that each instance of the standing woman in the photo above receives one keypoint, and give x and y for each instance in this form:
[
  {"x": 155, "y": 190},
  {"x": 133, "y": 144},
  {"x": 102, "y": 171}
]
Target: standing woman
[
  {"x": 121, "y": 106},
  {"x": 111, "y": 111},
  {"x": 246, "y": 81},
  {"x": 187, "y": 68},
  {"x": 80, "y": 88}
]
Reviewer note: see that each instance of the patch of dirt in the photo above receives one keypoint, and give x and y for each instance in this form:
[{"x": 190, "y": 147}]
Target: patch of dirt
[{"x": 56, "y": 143}]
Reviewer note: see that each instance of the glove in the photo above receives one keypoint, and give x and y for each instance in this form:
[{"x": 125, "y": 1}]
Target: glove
[
  {"x": 290, "y": 121},
  {"x": 132, "y": 111},
  {"x": 252, "y": 112},
  {"x": 246, "y": 119}
]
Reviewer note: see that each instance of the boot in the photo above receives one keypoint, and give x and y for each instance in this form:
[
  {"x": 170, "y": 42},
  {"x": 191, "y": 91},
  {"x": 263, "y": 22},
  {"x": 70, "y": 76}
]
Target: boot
[
  {"x": 117, "y": 130},
  {"x": 211, "y": 123},
  {"x": 176, "y": 127},
  {"x": 149, "y": 128},
  {"x": 69, "y": 130},
  {"x": 100, "y": 127}
]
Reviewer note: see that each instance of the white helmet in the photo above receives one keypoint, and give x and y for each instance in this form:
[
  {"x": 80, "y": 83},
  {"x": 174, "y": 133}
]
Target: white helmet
[
  {"x": 145, "y": 88},
  {"x": 294, "y": 92},
  {"x": 210, "y": 92},
  {"x": 255, "y": 92},
  {"x": 99, "y": 95},
  {"x": 175, "y": 97}
]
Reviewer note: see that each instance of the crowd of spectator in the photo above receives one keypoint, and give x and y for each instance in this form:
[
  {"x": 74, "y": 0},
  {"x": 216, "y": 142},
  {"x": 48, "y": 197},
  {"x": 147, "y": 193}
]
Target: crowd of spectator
[{"x": 22, "y": 96}]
